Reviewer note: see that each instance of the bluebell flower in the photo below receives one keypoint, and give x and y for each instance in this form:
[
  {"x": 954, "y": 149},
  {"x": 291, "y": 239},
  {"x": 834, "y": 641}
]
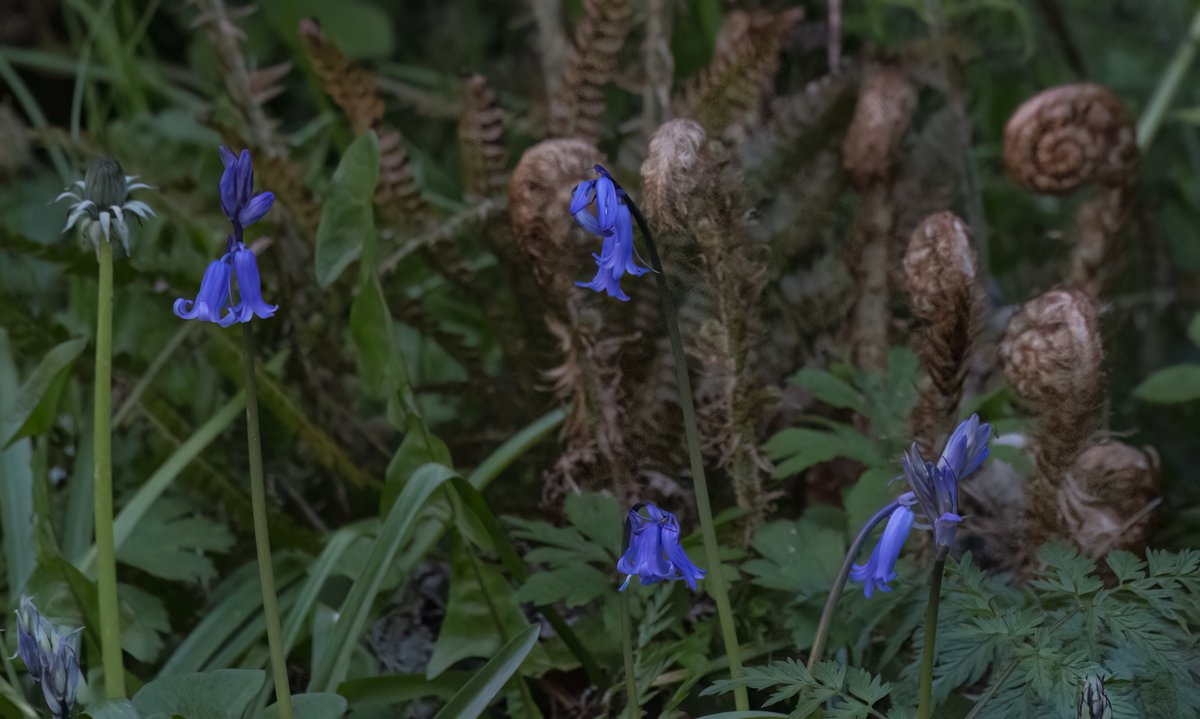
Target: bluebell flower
[
  {"x": 881, "y": 567},
  {"x": 214, "y": 301},
  {"x": 34, "y": 635},
  {"x": 613, "y": 222},
  {"x": 934, "y": 492},
  {"x": 936, "y": 485},
  {"x": 241, "y": 205},
  {"x": 654, "y": 553},
  {"x": 61, "y": 675}
]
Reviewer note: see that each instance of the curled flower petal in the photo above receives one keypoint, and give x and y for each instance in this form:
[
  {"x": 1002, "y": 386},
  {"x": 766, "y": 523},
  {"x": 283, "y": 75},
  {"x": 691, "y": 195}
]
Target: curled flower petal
[
  {"x": 211, "y": 299},
  {"x": 582, "y": 196},
  {"x": 606, "y": 198},
  {"x": 228, "y": 190},
  {"x": 256, "y": 208},
  {"x": 678, "y": 558},
  {"x": 881, "y": 566},
  {"x": 644, "y": 556},
  {"x": 227, "y": 156},
  {"x": 249, "y": 287}
]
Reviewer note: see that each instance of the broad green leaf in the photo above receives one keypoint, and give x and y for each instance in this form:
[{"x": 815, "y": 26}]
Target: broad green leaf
[
  {"x": 355, "y": 610},
  {"x": 381, "y": 366},
  {"x": 172, "y": 542},
  {"x": 871, "y": 492},
  {"x": 800, "y": 556},
  {"x": 574, "y": 585},
  {"x": 752, "y": 714},
  {"x": 830, "y": 389},
  {"x": 361, "y": 30},
  {"x": 419, "y": 447},
  {"x": 1171, "y": 385},
  {"x": 222, "y": 694},
  {"x": 598, "y": 517},
  {"x": 398, "y": 688},
  {"x": 112, "y": 709},
  {"x": 484, "y": 685},
  {"x": 469, "y": 628},
  {"x": 318, "y": 573},
  {"x": 16, "y": 413},
  {"x": 796, "y": 449},
  {"x": 347, "y": 217},
  {"x": 317, "y": 705}
]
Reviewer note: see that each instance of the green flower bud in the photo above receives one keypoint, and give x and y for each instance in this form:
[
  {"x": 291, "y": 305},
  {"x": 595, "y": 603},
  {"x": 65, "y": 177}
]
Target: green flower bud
[{"x": 105, "y": 183}]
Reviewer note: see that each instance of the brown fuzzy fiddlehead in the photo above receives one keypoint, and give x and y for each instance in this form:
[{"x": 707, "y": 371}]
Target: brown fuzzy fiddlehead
[
  {"x": 482, "y": 139},
  {"x": 1070, "y": 136},
  {"x": 1107, "y": 498},
  {"x": 1053, "y": 357},
  {"x": 940, "y": 271},
  {"x": 578, "y": 103}
]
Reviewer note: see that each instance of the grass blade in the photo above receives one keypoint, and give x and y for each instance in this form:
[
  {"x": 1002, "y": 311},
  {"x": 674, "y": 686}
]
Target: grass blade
[{"x": 485, "y": 684}]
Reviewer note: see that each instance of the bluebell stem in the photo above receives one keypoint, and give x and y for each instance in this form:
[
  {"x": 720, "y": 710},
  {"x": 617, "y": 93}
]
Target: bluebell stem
[
  {"x": 654, "y": 553},
  {"x": 213, "y": 302},
  {"x": 101, "y": 201},
  {"x": 881, "y": 567},
  {"x": 614, "y": 223}
]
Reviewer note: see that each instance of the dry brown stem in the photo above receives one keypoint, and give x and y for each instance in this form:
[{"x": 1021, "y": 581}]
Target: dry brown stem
[
  {"x": 870, "y": 153},
  {"x": 731, "y": 90},
  {"x": 578, "y": 102},
  {"x": 940, "y": 272},
  {"x": 1053, "y": 357}
]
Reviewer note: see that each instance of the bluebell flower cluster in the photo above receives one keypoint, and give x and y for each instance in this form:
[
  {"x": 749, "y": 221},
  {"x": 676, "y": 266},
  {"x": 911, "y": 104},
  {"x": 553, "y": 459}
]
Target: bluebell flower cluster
[
  {"x": 214, "y": 301},
  {"x": 613, "y": 222},
  {"x": 935, "y": 492},
  {"x": 51, "y": 657},
  {"x": 654, "y": 553}
]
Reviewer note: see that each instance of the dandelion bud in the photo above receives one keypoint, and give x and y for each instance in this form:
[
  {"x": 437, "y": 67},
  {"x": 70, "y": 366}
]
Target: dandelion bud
[
  {"x": 104, "y": 183},
  {"x": 1052, "y": 355},
  {"x": 673, "y": 173},
  {"x": 1106, "y": 496},
  {"x": 1093, "y": 702}
]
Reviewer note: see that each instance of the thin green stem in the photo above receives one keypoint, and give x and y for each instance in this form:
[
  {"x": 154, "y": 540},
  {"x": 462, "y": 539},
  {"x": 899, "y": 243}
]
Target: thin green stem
[
  {"x": 262, "y": 540},
  {"x": 928, "y": 650},
  {"x": 716, "y": 579},
  {"x": 522, "y": 685},
  {"x": 1168, "y": 86},
  {"x": 633, "y": 707},
  {"x": 835, "y": 593},
  {"x": 106, "y": 555}
]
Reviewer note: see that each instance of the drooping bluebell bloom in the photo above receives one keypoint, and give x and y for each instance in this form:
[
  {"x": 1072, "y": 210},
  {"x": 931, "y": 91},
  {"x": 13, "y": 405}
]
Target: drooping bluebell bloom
[
  {"x": 654, "y": 553},
  {"x": 34, "y": 634},
  {"x": 881, "y": 567},
  {"x": 936, "y": 485},
  {"x": 214, "y": 302},
  {"x": 613, "y": 222},
  {"x": 935, "y": 492}
]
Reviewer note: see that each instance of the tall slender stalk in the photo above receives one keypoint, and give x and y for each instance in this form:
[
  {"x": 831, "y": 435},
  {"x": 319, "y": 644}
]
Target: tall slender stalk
[
  {"x": 716, "y": 579},
  {"x": 1169, "y": 85},
  {"x": 925, "y": 693},
  {"x": 262, "y": 540},
  {"x": 632, "y": 706},
  {"x": 106, "y": 555},
  {"x": 835, "y": 593}
]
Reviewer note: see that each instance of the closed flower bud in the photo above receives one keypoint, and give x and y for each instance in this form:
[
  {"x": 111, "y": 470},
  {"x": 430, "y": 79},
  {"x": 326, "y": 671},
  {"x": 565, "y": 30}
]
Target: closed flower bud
[
  {"x": 104, "y": 183},
  {"x": 1093, "y": 702},
  {"x": 61, "y": 676},
  {"x": 102, "y": 204}
]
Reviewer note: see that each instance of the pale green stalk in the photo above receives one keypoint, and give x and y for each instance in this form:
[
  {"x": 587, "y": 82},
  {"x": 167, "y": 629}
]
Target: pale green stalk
[
  {"x": 262, "y": 540},
  {"x": 106, "y": 556},
  {"x": 1168, "y": 86},
  {"x": 716, "y": 580}
]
